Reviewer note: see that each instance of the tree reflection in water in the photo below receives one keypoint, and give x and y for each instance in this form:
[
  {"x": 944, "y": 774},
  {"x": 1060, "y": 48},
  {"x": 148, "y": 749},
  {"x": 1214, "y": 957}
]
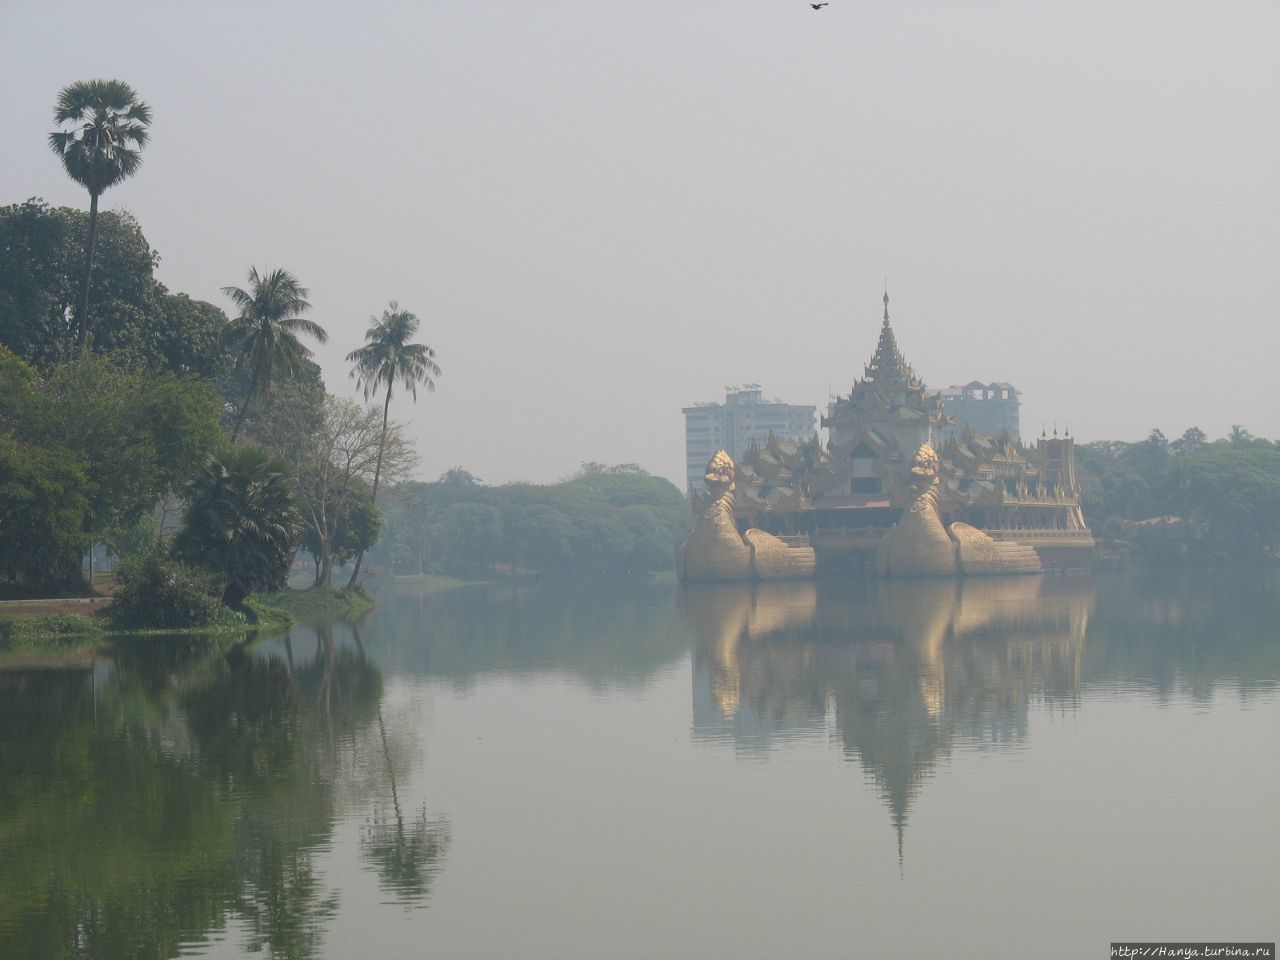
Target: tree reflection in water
[
  {"x": 185, "y": 792},
  {"x": 113, "y": 845},
  {"x": 406, "y": 859}
]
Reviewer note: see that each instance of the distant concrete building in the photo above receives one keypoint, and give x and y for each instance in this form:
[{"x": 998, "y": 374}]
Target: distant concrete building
[
  {"x": 744, "y": 418},
  {"x": 986, "y": 409}
]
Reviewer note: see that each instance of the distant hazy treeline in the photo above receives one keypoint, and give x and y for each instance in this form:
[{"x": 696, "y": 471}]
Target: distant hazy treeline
[
  {"x": 1190, "y": 497},
  {"x": 603, "y": 520}
]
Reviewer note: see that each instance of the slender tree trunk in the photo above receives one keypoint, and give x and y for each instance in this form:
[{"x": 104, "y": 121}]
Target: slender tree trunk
[
  {"x": 325, "y": 578},
  {"x": 82, "y": 313},
  {"x": 377, "y": 475},
  {"x": 244, "y": 407}
]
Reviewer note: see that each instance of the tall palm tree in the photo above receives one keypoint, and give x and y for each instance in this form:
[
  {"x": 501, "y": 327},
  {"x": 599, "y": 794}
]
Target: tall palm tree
[
  {"x": 388, "y": 357},
  {"x": 265, "y": 334},
  {"x": 102, "y": 148}
]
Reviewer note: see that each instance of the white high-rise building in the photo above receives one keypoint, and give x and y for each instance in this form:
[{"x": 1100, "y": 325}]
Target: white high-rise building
[{"x": 744, "y": 417}]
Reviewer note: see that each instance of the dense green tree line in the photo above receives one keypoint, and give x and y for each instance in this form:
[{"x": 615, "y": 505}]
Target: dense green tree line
[
  {"x": 91, "y": 442},
  {"x": 120, "y": 400},
  {"x": 87, "y": 450},
  {"x": 135, "y": 316},
  {"x": 1215, "y": 499},
  {"x": 604, "y": 520}
]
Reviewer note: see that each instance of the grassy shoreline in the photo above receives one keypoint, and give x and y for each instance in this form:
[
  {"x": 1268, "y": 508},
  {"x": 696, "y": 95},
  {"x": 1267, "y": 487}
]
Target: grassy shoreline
[
  {"x": 320, "y": 603},
  {"x": 49, "y": 634},
  {"x": 51, "y": 637},
  {"x": 30, "y": 636}
]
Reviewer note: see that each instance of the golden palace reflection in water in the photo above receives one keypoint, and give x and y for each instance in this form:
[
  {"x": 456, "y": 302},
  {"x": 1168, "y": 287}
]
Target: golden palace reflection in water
[{"x": 899, "y": 669}]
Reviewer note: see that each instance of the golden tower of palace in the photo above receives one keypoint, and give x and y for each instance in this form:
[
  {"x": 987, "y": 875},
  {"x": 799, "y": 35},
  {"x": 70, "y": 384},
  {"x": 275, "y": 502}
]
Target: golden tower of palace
[{"x": 842, "y": 499}]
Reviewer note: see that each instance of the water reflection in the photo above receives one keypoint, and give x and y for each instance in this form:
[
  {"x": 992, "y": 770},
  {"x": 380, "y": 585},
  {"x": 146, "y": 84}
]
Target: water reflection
[
  {"x": 270, "y": 796},
  {"x": 406, "y": 858},
  {"x": 602, "y": 632},
  {"x": 902, "y": 672},
  {"x": 187, "y": 791},
  {"x": 1190, "y": 633}
]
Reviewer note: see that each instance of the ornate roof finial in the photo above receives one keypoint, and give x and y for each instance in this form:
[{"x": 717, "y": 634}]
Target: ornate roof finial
[
  {"x": 886, "y": 299},
  {"x": 888, "y": 365}
]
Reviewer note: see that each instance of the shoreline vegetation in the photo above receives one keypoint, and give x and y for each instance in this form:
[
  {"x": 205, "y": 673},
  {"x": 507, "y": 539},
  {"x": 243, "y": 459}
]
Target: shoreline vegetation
[
  {"x": 49, "y": 637},
  {"x": 319, "y": 603},
  {"x": 80, "y": 626}
]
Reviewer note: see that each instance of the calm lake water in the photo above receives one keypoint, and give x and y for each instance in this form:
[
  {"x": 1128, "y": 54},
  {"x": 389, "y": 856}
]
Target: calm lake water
[{"x": 913, "y": 769}]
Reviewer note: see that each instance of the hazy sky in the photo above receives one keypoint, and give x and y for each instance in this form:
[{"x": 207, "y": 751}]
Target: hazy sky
[{"x": 604, "y": 211}]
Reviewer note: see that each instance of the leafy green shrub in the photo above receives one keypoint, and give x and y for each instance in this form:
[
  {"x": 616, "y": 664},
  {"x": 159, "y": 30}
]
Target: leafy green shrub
[
  {"x": 157, "y": 591},
  {"x": 241, "y": 521}
]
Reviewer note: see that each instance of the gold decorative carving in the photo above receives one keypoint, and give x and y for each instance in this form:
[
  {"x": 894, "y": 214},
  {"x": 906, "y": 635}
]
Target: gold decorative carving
[
  {"x": 919, "y": 544},
  {"x": 979, "y": 555},
  {"x": 716, "y": 551},
  {"x": 775, "y": 559}
]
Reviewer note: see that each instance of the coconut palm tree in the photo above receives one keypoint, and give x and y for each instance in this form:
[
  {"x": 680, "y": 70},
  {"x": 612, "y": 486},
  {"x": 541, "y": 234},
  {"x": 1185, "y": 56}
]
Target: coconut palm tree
[
  {"x": 265, "y": 334},
  {"x": 103, "y": 147},
  {"x": 241, "y": 522},
  {"x": 387, "y": 358},
  {"x": 1239, "y": 436}
]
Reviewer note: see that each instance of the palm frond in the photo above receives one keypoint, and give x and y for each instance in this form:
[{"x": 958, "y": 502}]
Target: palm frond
[
  {"x": 296, "y": 325},
  {"x": 265, "y": 334},
  {"x": 106, "y": 148},
  {"x": 388, "y": 356}
]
